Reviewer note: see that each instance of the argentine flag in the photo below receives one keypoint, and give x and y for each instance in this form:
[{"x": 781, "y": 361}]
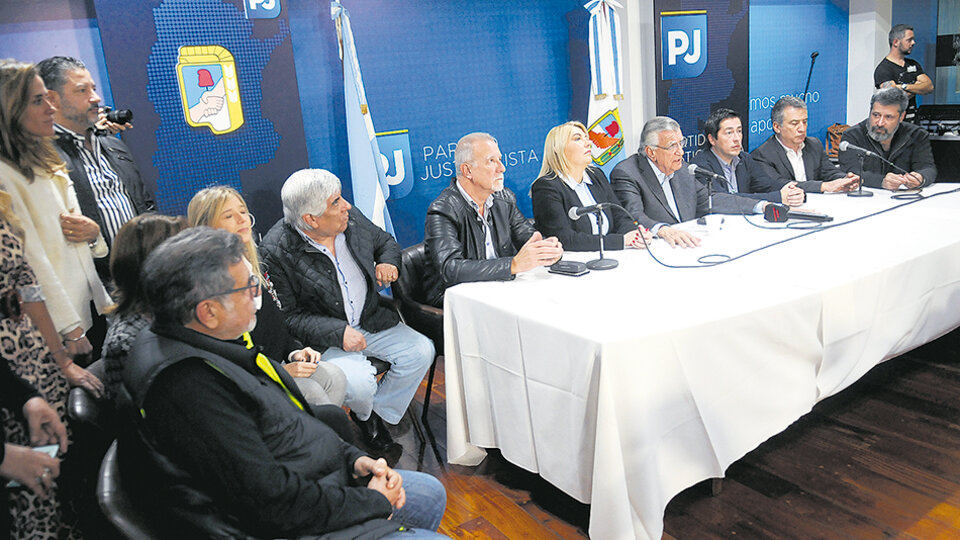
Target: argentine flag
[
  {"x": 368, "y": 175},
  {"x": 606, "y": 84}
]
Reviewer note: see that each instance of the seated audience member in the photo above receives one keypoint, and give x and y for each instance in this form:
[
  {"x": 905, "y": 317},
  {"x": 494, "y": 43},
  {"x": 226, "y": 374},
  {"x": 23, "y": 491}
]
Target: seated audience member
[
  {"x": 568, "y": 180},
  {"x": 33, "y": 470},
  {"x": 790, "y": 156},
  {"x": 136, "y": 239},
  {"x": 655, "y": 186},
  {"x": 886, "y": 134},
  {"x": 725, "y": 156},
  {"x": 59, "y": 243},
  {"x": 327, "y": 260},
  {"x": 222, "y": 207},
  {"x": 223, "y": 438},
  {"x": 474, "y": 230},
  {"x": 101, "y": 167}
]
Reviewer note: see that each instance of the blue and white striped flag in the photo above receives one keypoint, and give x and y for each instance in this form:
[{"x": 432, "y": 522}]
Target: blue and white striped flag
[
  {"x": 606, "y": 84},
  {"x": 369, "y": 178}
]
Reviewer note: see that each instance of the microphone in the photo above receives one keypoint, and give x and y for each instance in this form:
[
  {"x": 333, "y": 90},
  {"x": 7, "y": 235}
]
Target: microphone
[
  {"x": 576, "y": 212},
  {"x": 695, "y": 170},
  {"x": 814, "y": 55},
  {"x": 844, "y": 146},
  {"x": 813, "y": 58},
  {"x": 778, "y": 213}
]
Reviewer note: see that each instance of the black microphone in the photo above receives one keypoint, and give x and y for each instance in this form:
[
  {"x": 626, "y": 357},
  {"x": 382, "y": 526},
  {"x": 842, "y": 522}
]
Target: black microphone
[
  {"x": 778, "y": 213},
  {"x": 694, "y": 169},
  {"x": 844, "y": 146},
  {"x": 814, "y": 55},
  {"x": 813, "y": 59},
  {"x": 576, "y": 212}
]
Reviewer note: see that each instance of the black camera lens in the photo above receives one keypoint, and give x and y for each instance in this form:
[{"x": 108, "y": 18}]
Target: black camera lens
[{"x": 120, "y": 116}]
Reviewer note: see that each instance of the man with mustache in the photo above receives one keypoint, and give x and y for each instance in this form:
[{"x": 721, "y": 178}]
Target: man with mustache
[
  {"x": 104, "y": 173},
  {"x": 886, "y": 134}
]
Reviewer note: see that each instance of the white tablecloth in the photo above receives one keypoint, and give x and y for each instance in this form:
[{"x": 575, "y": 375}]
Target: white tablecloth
[{"x": 624, "y": 387}]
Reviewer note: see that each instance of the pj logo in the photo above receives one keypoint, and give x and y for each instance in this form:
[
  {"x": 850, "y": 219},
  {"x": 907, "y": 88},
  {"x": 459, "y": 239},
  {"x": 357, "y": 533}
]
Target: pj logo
[
  {"x": 683, "y": 43},
  {"x": 261, "y": 9},
  {"x": 396, "y": 158}
]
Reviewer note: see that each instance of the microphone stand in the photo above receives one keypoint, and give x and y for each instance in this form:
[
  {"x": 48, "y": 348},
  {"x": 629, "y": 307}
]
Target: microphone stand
[
  {"x": 860, "y": 192},
  {"x": 813, "y": 58},
  {"x": 601, "y": 263}
]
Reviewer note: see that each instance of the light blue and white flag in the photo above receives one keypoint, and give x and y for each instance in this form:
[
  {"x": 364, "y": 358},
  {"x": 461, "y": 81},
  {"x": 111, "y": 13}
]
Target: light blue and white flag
[
  {"x": 368, "y": 176},
  {"x": 606, "y": 84}
]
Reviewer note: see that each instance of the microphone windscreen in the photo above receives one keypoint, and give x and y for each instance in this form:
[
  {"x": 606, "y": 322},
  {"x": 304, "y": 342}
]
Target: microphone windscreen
[
  {"x": 572, "y": 213},
  {"x": 776, "y": 213},
  {"x": 844, "y": 145}
]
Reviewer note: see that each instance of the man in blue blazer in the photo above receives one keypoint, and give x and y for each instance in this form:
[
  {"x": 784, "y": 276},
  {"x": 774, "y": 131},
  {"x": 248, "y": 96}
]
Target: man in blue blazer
[
  {"x": 725, "y": 157},
  {"x": 656, "y": 188},
  {"x": 789, "y": 155}
]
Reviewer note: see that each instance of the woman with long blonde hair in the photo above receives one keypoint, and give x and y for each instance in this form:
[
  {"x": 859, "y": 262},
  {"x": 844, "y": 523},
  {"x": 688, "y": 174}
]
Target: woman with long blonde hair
[
  {"x": 222, "y": 207},
  {"x": 569, "y": 179}
]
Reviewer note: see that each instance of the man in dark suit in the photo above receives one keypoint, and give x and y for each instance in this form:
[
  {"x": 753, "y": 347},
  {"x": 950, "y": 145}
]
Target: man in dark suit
[
  {"x": 789, "y": 155},
  {"x": 656, "y": 188},
  {"x": 104, "y": 174},
  {"x": 725, "y": 157}
]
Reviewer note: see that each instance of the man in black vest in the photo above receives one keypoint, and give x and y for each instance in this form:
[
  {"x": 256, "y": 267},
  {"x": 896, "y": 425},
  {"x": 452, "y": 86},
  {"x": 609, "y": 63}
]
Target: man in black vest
[
  {"x": 221, "y": 433},
  {"x": 104, "y": 174}
]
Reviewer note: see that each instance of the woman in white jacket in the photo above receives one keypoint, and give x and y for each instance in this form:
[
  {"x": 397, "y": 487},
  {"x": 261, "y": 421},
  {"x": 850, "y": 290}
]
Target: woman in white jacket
[{"x": 59, "y": 243}]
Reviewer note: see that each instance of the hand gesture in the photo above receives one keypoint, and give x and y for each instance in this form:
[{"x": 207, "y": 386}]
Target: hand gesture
[
  {"x": 791, "y": 195},
  {"x": 386, "y": 274},
  {"x": 78, "y": 228},
  {"x": 44, "y": 424},
  {"x": 676, "y": 237},
  {"x": 353, "y": 341},
  {"x": 536, "y": 252}
]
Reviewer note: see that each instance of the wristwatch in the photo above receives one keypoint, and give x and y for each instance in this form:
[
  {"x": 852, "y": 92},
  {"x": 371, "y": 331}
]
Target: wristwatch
[{"x": 903, "y": 86}]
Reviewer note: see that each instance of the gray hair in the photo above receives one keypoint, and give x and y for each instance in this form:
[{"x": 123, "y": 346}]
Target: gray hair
[
  {"x": 306, "y": 192},
  {"x": 897, "y": 32},
  {"x": 890, "y": 96},
  {"x": 465, "y": 146},
  {"x": 187, "y": 269},
  {"x": 54, "y": 71},
  {"x": 781, "y": 105},
  {"x": 650, "y": 135}
]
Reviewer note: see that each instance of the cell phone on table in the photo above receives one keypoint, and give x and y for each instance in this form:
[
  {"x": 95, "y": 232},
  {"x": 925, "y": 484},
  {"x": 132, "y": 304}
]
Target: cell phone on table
[{"x": 568, "y": 268}]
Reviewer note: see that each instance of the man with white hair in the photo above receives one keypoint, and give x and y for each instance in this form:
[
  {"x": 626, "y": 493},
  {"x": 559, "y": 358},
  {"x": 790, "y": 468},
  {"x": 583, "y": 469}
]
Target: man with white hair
[
  {"x": 474, "y": 230},
  {"x": 327, "y": 260},
  {"x": 656, "y": 188}
]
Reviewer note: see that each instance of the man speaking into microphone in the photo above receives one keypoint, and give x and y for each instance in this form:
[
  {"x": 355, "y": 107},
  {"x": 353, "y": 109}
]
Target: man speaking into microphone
[
  {"x": 658, "y": 190},
  {"x": 900, "y": 154}
]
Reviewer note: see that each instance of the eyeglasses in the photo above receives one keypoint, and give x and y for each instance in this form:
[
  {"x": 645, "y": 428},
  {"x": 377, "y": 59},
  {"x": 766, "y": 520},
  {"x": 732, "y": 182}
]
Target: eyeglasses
[
  {"x": 252, "y": 283},
  {"x": 671, "y": 148}
]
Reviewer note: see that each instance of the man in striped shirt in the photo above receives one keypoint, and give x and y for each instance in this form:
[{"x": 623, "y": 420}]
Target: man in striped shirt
[{"x": 104, "y": 174}]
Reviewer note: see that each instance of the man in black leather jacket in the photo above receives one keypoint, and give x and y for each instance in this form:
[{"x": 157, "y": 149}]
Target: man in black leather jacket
[
  {"x": 886, "y": 134},
  {"x": 474, "y": 230}
]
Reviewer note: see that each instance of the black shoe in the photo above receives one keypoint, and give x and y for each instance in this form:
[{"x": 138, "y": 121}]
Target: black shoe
[{"x": 374, "y": 434}]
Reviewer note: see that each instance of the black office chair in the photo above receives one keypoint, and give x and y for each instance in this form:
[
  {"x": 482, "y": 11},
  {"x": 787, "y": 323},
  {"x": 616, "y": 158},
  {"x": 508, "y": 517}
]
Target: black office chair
[
  {"x": 130, "y": 519},
  {"x": 417, "y": 314}
]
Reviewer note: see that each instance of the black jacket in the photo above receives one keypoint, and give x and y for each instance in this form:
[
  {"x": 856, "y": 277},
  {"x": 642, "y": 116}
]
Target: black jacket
[
  {"x": 223, "y": 447},
  {"x": 552, "y": 199},
  {"x": 773, "y": 162},
  {"x": 455, "y": 241},
  {"x": 909, "y": 149},
  {"x": 122, "y": 163},
  {"x": 752, "y": 182},
  {"x": 307, "y": 284}
]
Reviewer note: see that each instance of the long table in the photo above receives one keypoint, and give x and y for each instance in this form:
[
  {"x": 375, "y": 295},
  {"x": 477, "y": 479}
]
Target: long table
[{"x": 624, "y": 387}]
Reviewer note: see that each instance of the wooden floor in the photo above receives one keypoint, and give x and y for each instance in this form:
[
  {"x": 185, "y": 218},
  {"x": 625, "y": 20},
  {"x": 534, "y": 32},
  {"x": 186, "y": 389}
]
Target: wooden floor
[{"x": 880, "y": 460}]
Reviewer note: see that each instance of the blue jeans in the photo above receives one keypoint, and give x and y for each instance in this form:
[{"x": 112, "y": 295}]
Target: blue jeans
[
  {"x": 426, "y": 502},
  {"x": 409, "y": 354}
]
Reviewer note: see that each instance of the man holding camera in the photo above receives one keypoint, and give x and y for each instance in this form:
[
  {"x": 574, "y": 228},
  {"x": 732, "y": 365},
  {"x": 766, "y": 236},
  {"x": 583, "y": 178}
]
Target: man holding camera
[{"x": 104, "y": 174}]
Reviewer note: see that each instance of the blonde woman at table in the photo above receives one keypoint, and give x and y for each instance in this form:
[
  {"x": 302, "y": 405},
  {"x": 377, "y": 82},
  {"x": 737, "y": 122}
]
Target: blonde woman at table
[
  {"x": 568, "y": 180},
  {"x": 59, "y": 243},
  {"x": 222, "y": 207}
]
